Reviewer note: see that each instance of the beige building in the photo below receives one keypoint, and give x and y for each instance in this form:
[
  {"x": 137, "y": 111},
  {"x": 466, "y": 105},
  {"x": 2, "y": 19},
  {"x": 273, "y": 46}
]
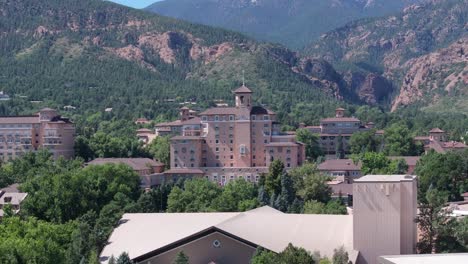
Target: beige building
[
  {"x": 381, "y": 224},
  {"x": 46, "y": 129},
  {"x": 225, "y": 143},
  {"x": 384, "y": 209},
  {"x": 330, "y": 130}
]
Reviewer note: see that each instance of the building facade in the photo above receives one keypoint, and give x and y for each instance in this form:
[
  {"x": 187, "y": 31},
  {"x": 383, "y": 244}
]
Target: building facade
[
  {"x": 332, "y": 129},
  {"x": 382, "y": 223},
  {"x": 438, "y": 141},
  {"x": 46, "y": 129},
  {"x": 225, "y": 143},
  {"x": 384, "y": 209}
]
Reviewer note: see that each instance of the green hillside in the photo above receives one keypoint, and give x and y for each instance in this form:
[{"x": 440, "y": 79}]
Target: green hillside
[
  {"x": 292, "y": 23},
  {"x": 95, "y": 55}
]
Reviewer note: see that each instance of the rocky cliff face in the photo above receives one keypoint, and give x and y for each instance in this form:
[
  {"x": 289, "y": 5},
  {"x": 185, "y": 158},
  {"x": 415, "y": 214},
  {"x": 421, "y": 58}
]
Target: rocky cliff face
[
  {"x": 405, "y": 49},
  {"x": 443, "y": 72}
]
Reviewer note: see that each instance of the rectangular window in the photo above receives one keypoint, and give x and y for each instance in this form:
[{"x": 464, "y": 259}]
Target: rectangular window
[
  {"x": 266, "y": 117},
  {"x": 216, "y": 118},
  {"x": 204, "y": 118},
  {"x": 254, "y": 117},
  {"x": 242, "y": 149},
  {"x": 231, "y": 118}
]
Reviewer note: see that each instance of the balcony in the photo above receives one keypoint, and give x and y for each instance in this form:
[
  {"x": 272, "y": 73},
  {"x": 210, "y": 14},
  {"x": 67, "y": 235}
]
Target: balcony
[{"x": 192, "y": 133}]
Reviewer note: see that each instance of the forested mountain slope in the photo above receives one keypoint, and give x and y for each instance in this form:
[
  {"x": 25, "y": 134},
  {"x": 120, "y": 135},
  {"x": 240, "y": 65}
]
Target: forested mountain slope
[
  {"x": 94, "y": 55},
  {"x": 293, "y": 23},
  {"x": 422, "y": 51}
]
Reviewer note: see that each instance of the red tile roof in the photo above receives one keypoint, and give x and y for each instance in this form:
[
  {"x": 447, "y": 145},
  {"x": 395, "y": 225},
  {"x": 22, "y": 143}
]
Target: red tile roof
[
  {"x": 340, "y": 119},
  {"x": 453, "y": 144},
  {"x": 186, "y": 138},
  {"x": 32, "y": 119},
  {"x": 184, "y": 171}
]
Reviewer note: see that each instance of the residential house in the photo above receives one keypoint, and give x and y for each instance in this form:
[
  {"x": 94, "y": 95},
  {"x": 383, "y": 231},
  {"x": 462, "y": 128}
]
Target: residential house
[{"x": 13, "y": 197}]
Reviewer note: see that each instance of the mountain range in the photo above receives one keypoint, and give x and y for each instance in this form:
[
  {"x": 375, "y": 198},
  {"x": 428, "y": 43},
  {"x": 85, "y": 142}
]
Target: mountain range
[
  {"x": 293, "y": 23},
  {"x": 94, "y": 55},
  {"x": 421, "y": 50}
]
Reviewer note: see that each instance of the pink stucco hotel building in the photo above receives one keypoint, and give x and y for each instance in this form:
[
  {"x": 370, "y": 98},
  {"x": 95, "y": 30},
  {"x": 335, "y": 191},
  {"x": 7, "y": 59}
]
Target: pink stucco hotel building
[{"x": 226, "y": 143}]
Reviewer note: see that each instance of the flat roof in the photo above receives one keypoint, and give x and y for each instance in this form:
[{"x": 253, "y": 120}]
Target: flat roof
[
  {"x": 386, "y": 178},
  {"x": 453, "y": 258}
]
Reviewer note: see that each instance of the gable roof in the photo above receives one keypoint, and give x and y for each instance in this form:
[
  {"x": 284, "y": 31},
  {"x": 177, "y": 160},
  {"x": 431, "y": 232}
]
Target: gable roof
[{"x": 275, "y": 233}]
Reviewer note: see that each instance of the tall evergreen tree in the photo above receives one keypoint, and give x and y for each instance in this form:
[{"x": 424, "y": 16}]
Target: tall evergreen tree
[
  {"x": 273, "y": 179},
  {"x": 124, "y": 259},
  {"x": 263, "y": 197},
  {"x": 340, "y": 152},
  {"x": 181, "y": 258}
]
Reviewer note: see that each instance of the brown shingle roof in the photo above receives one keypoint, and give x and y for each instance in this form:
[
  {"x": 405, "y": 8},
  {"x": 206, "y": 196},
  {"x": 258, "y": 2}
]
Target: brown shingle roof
[
  {"x": 243, "y": 89},
  {"x": 226, "y": 111},
  {"x": 339, "y": 165},
  {"x": 32, "y": 119},
  {"x": 436, "y": 130},
  {"x": 340, "y": 119},
  {"x": 135, "y": 163},
  {"x": 192, "y": 121},
  {"x": 186, "y": 138},
  {"x": 184, "y": 171}
]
